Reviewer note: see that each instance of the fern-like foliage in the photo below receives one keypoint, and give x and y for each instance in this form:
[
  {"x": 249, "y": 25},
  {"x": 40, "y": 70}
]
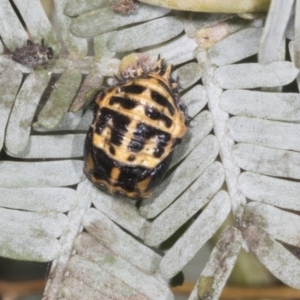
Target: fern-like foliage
[{"x": 240, "y": 156}]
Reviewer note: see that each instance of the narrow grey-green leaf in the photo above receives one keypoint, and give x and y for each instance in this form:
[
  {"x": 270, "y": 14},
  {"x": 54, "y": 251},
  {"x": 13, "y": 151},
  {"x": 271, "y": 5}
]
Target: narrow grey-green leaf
[
  {"x": 26, "y": 247},
  {"x": 297, "y": 36},
  {"x": 276, "y": 23},
  {"x": 264, "y": 133},
  {"x": 241, "y": 75},
  {"x": 76, "y": 289},
  {"x": 38, "y": 224},
  {"x": 37, "y": 23},
  {"x": 102, "y": 52},
  {"x": 261, "y": 105},
  {"x": 267, "y": 161},
  {"x": 199, "y": 128},
  {"x": 11, "y": 30},
  {"x": 146, "y": 34},
  {"x": 290, "y": 29},
  {"x": 71, "y": 121},
  {"x": 74, "y": 44},
  {"x": 188, "y": 74},
  {"x": 92, "y": 249},
  {"x": 59, "y": 102},
  {"x": 194, "y": 100},
  {"x": 66, "y": 63},
  {"x": 198, "y": 194},
  {"x": 279, "y": 224},
  {"x": 177, "y": 51},
  {"x": 90, "y": 86},
  {"x": 39, "y": 199},
  {"x": 105, "y": 20},
  {"x": 278, "y": 260},
  {"x": 101, "y": 281},
  {"x": 274, "y": 191},
  {"x": 110, "y": 67},
  {"x": 53, "y": 146},
  {"x": 198, "y": 160},
  {"x": 6, "y": 62},
  {"x": 119, "y": 242},
  {"x": 74, "y": 8},
  {"x": 10, "y": 80},
  {"x": 292, "y": 54},
  {"x": 235, "y": 47},
  {"x": 221, "y": 262},
  {"x": 40, "y": 174},
  {"x": 19, "y": 124},
  {"x": 121, "y": 212},
  {"x": 183, "y": 250}
]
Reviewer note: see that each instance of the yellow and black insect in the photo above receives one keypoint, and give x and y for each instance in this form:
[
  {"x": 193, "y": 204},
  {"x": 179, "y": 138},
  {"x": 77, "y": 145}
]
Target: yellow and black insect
[
  {"x": 136, "y": 126},
  {"x": 33, "y": 55}
]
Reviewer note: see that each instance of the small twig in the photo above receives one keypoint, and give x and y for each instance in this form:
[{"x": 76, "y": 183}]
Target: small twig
[{"x": 13, "y": 290}]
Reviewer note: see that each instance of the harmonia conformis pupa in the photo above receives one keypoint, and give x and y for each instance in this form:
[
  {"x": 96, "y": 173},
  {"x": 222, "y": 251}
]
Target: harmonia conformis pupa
[{"x": 137, "y": 125}]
